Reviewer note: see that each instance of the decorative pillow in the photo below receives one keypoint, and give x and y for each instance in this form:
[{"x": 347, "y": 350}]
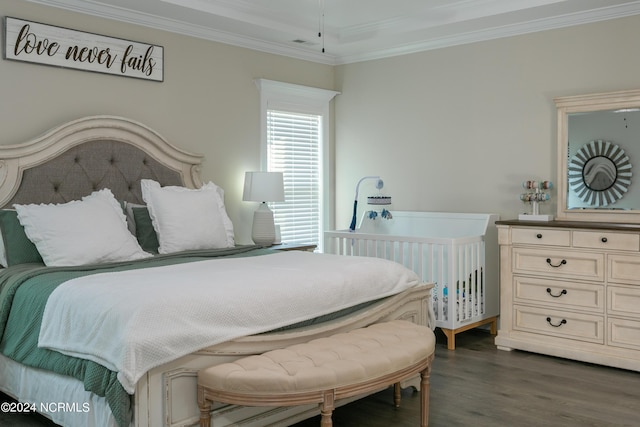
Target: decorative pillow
[
  {"x": 88, "y": 231},
  {"x": 146, "y": 235},
  {"x": 186, "y": 219},
  {"x": 128, "y": 212},
  {"x": 16, "y": 248}
]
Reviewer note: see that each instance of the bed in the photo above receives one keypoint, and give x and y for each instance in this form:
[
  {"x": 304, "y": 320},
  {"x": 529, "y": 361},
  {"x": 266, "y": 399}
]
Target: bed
[{"x": 80, "y": 160}]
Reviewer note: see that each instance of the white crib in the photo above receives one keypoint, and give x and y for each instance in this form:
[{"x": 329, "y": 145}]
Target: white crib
[{"x": 458, "y": 252}]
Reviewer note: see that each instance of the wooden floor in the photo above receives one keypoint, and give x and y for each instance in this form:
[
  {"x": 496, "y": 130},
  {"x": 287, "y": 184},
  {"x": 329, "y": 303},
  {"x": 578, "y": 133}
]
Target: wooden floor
[{"x": 477, "y": 385}]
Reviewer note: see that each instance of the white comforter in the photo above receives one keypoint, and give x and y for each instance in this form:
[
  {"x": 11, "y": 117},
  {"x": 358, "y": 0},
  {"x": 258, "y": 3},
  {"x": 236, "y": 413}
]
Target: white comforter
[{"x": 133, "y": 321}]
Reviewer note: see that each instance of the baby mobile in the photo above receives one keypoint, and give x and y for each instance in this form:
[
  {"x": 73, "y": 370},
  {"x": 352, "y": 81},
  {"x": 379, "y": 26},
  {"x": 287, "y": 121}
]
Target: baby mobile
[
  {"x": 379, "y": 201},
  {"x": 535, "y": 196}
]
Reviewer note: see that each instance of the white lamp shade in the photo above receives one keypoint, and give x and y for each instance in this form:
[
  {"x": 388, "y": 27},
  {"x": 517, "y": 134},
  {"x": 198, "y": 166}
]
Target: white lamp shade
[{"x": 263, "y": 187}]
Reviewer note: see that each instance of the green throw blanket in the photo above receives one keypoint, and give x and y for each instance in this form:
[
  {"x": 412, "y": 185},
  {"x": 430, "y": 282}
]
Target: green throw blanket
[{"x": 24, "y": 290}]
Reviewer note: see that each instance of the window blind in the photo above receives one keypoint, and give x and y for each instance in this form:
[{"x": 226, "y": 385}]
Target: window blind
[{"x": 293, "y": 148}]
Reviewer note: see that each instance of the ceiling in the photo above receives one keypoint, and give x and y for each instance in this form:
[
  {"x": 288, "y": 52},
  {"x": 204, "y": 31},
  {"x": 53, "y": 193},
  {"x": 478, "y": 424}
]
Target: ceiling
[{"x": 352, "y": 30}]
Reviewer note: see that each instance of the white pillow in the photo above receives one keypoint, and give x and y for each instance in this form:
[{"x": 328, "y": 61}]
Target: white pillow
[
  {"x": 187, "y": 219},
  {"x": 90, "y": 231}
]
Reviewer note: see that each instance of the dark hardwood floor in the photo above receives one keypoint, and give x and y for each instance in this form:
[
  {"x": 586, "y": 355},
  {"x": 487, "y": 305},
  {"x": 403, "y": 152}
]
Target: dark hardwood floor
[{"x": 477, "y": 385}]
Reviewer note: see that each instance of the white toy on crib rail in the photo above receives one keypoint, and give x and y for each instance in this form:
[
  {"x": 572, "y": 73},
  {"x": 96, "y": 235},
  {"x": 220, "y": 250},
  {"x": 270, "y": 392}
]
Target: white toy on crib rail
[{"x": 535, "y": 197}]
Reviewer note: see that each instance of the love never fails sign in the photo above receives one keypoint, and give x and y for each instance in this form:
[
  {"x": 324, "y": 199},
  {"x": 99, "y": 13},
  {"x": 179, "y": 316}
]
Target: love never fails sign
[{"x": 61, "y": 47}]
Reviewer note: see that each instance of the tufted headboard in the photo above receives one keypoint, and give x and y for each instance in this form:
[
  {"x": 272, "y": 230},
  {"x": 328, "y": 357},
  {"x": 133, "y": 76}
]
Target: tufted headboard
[{"x": 78, "y": 157}]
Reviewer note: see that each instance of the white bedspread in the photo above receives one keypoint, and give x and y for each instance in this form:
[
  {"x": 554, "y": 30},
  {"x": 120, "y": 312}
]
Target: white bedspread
[{"x": 133, "y": 321}]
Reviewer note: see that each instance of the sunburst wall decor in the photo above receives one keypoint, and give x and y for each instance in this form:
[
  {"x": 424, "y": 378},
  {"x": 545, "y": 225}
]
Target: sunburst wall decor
[{"x": 600, "y": 173}]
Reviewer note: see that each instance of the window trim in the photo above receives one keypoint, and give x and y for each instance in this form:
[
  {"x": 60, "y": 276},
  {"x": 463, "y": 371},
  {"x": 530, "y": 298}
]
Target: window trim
[{"x": 276, "y": 95}]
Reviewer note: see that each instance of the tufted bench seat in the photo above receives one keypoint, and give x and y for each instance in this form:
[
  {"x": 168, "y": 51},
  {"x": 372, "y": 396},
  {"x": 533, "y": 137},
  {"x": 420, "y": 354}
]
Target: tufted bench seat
[{"x": 324, "y": 370}]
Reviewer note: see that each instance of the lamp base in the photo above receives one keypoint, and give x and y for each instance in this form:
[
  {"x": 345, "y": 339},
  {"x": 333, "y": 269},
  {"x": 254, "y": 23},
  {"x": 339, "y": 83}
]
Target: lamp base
[{"x": 263, "y": 232}]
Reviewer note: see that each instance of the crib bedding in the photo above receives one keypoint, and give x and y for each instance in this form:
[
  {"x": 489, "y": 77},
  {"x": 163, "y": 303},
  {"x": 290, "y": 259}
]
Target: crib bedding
[{"x": 25, "y": 290}]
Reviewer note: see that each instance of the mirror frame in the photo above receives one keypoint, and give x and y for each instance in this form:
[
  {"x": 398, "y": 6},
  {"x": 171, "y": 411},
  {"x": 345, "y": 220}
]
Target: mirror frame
[{"x": 581, "y": 104}]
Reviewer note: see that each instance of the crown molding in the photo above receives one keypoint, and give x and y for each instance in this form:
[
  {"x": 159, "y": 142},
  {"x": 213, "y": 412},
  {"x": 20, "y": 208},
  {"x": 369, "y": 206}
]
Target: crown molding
[
  {"x": 96, "y": 9},
  {"x": 534, "y": 26}
]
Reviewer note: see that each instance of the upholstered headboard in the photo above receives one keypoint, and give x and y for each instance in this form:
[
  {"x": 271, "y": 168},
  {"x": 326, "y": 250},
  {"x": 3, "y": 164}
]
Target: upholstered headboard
[{"x": 78, "y": 157}]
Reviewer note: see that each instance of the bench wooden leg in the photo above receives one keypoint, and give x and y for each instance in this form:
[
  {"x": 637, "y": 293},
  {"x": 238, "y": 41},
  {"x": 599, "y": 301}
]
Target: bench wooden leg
[
  {"x": 205, "y": 409},
  {"x": 326, "y": 409},
  {"x": 396, "y": 395},
  {"x": 424, "y": 396}
]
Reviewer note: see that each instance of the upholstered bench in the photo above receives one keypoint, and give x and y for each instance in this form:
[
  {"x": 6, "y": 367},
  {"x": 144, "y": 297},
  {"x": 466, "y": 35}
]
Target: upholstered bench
[{"x": 324, "y": 370}]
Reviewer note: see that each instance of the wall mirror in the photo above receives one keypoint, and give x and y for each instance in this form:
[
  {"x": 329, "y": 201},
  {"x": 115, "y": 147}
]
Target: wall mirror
[{"x": 599, "y": 157}]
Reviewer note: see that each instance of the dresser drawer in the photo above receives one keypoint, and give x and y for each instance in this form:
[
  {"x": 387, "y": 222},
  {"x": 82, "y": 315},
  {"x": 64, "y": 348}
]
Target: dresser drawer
[
  {"x": 559, "y": 263},
  {"x": 558, "y": 294},
  {"x": 558, "y": 323},
  {"x": 623, "y": 301},
  {"x": 623, "y": 333},
  {"x": 624, "y": 269},
  {"x": 540, "y": 236},
  {"x": 606, "y": 240}
]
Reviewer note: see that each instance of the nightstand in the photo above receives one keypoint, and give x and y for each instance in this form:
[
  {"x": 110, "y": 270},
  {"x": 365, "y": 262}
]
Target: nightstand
[{"x": 307, "y": 247}]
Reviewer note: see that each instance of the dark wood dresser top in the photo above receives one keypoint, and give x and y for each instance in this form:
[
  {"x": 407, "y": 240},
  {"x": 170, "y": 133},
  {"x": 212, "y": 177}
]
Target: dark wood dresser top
[{"x": 585, "y": 225}]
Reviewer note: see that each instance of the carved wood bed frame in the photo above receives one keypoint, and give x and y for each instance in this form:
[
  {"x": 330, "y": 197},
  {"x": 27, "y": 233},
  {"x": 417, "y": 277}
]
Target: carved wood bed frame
[{"x": 90, "y": 153}]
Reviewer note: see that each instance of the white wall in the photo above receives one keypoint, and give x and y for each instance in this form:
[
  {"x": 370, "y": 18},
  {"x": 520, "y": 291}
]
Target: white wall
[
  {"x": 208, "y": 102},
  {"x": 459, "y": 129},
  {"x": 453, "y": 129}
]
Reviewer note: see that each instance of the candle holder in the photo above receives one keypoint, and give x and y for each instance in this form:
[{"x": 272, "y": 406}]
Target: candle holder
[{"x": 534, "y": 197}]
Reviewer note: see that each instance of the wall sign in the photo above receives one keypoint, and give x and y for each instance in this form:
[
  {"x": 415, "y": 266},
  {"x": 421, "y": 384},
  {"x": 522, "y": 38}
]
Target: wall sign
[{"x": 49, "y": 45}]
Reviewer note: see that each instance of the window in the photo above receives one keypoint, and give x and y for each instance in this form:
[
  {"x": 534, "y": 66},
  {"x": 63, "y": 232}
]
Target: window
[
  {"x": 294, "y": 148},
  {"x": 294, "y": 120}
]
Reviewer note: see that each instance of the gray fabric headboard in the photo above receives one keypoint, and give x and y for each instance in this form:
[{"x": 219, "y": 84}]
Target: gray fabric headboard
[
  {"x": 89, "y": 167},
  {"x": 89, "y": 154}
]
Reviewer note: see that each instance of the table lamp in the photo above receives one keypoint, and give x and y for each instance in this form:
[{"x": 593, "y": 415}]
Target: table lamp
[{"x": 263, "y": 187}]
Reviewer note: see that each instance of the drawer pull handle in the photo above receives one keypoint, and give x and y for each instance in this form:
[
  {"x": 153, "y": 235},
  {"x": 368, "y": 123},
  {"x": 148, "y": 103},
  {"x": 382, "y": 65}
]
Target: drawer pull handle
[
  {"x": 564, "y": 261},
  {"x": 562, "y": 322},
  {"x": 563, "y": 292},
  {"x": 603, "y": 240},
  {"x": 539, "y": 236}
]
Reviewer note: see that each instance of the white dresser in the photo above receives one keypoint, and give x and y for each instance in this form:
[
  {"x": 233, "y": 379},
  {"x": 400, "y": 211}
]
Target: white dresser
[{"x": 571, "y": 289}]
